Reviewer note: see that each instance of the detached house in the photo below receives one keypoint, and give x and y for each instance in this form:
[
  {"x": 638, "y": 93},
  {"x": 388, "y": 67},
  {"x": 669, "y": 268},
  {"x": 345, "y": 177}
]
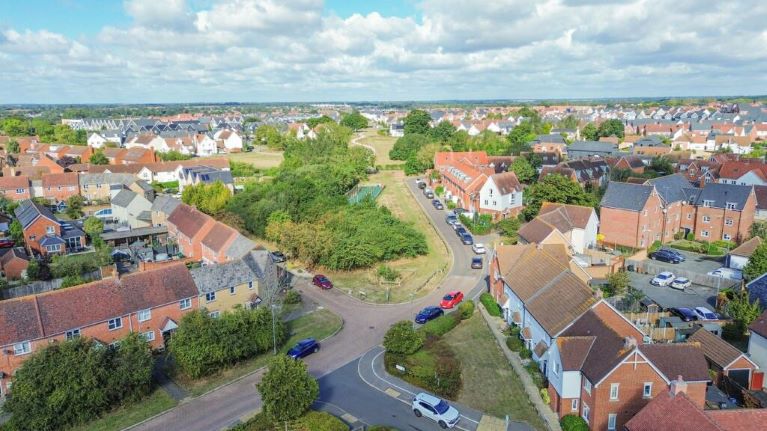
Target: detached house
[
  {"x": 230, "y": 141},
  {"x": 572, "y": 225},
  {"x": 44, "y": 234}
]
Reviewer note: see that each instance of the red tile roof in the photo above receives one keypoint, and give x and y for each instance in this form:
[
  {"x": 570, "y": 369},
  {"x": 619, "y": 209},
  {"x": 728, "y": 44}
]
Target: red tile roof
[
  {"x": 218, "y": 236},
  {"x": 188, "y": 220},
  {"x": 739, "y": 419},
  {"x": 18, "y": 321},
  {"x": 65, "y": 179},
  {"x": 12, "y": 183},
  {"x": 671, "y": 412}
]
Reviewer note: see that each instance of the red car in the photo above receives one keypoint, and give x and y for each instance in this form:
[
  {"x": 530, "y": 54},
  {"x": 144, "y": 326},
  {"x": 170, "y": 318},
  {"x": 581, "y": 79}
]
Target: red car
[
  {"x": 322, "y": 282},
  {"x": 6, "y": 243},
  {"x": 451, "y": 299}
]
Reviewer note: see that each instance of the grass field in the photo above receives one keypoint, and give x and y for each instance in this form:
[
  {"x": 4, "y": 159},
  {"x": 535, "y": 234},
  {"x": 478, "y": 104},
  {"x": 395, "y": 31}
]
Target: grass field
[
  {"x": 260, "y": 159},
  {"x": 381, "y": 144},
  {"x": 157, "y": 402},
  {"x": 318, "y": 324},
  {"x": 415, "y": 272},
  {"x": 489, "y": 382}
]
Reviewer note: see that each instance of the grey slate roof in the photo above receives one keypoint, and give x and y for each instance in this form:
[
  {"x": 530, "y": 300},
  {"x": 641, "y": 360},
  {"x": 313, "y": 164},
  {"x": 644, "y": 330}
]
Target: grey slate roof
[
  {"x": 107, "y": 178},
  {"x": 626, "y": 196},
  {"x": 551, "y": 139},
  {"x": 239, "y": 247},
  {"x": 51, "y": 240},
  {"x": 721, "y": 194},
  {"x": 124, "y": 198},
  {"x": 28, "y": 211},
  {"x": 165, "y": 204},
  {"x": 671, "y": 187},
  {"x": 212, "y": 278},
  {"x": 587, "y": 148}
]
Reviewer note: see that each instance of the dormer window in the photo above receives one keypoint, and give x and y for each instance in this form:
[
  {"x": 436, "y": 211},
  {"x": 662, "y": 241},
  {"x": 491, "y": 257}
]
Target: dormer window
[
  {"x": 731, "y": 205},
  {"x": 708, "y": 203}
]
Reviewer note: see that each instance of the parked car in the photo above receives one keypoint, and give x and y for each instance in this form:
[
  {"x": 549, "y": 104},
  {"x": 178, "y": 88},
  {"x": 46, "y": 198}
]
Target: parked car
[
  {"x": 421, "y": 183},
  {"x": 303, "y": 348},
  {"x": 437, "y": 204},
  {"x": 663, "y": 279},
  {"x": 459, "y": 211},
  {"x": 479, "y": 248},
  {"x": 681, "y": 283},
  {"x": 460, "y": 231},
  {"x": 450, "y": 217},
  {"x": 438, "y": 410},
  {"x": 467, "y": 239},
  {"x": 665, "y": 256},
  {"x": 705, "y": 314},
  {"x": 457, "y": 225},
  {"x": 476, "y": 262},
  {"x": 322, "y": 282},
  {"x": 7, "y": 243},
  {"x": 684, "y": 313},
  {"x": 451, "y": 299},
  {"x": 278, "y": 257},
  {"x": 428, "y": 313},
  {"x": 675, "y": 252},
  {"x": 732, "y": 274}
]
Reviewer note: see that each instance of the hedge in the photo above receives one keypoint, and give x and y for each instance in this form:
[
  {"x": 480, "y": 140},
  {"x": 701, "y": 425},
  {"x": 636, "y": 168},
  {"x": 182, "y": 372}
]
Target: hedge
[
  {"x": 514, "y": 343},
  {"x": 573, "y": 423},
  {"x": 441, "y": 325},
  {"x": 466, "y": 309},
  {"x": 320, "y": 421},
  {"x": 491, "y": 306}
]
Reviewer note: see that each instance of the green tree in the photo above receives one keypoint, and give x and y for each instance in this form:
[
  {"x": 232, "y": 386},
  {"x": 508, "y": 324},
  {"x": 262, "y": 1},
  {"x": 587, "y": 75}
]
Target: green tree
[
  {"x": 554, "y": 188},
  {"x": 13, "y": 147},
  {"x": 523, "y": 169},
  {"x": 14, "y": 127},
  {"x": 442, "y": 132},
  {"x": 98, "y": 158},
  {"x": 314, "y": 122},
  {"x": 590, "y": 132},
  {"x": 271, "y": 137},
  {"x": 661, "y": 166},
  {"x": 520, "y": 137},
  {"x": 402, "y": 338},
  {"x": 759, "y": 228},
  {"x": 757, "y": 263},
  {"x": 618, "y": 283},
  {"x": 417, "y": 121},
  {"x": 573, "y": 423},
  {"x": 509, "y": 228},
  {"x": 743, "y": 311},
  {"x": 610, "y": 128},
  {"x": 16, "y": 231},
  {"x": 173, "y": 155},
  {"x": 408, "y": 146},
  {"x": 354, "y": 121},
  {"x": 75, "y": 206},
  {"x": 94, "y": 226},
  {"x": 287, "y": 389},
  {"x": 208, "y": 198},
  {"x": 569, "y": 122}
]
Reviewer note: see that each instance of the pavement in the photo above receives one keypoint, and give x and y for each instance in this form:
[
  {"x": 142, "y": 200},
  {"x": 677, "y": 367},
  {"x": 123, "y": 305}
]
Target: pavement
[{"x": 364, "y": 327}]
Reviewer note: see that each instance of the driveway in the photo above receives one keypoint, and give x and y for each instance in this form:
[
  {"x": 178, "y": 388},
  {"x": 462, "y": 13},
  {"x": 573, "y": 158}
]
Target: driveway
[
  {"x": 666, "y": 297},
  {"x": 364, "y": 327},
  {"x": 694, "y": 262}
]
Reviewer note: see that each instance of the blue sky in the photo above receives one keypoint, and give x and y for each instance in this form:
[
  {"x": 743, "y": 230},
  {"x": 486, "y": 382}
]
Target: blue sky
[{"x": 154, "y": 51}]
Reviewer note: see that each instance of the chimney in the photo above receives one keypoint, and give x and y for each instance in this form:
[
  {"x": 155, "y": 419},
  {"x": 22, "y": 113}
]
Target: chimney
[
  {"x": 678, "y": 386},
  {"x": 629, "y": 343}
]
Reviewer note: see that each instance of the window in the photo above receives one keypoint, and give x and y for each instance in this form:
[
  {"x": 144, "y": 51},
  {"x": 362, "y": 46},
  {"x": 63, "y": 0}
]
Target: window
[
  {"x": 704, "y": 234},
  {"x": 210, "y": 296},
  {"x": 32, "y": 237},
  {"x": 574, "y": 404},
  {"x": 611, "y": 419},
  {"x": 495, "y": 203},
  {"x": 74, "y": 333},
  {"x": 215, "y": 314},
  {"x": 706, "y": 219},
  {"x": 50, "y": 230},
  {"x": 22, "y": 348},
  {"x": 726, "y": 237},
  {"x": 250, "y": 285},
  {"x": 556, "y": 368},
  {"x": 486, "y": 201},
  {"x": 728, "y": 221},
  {"x": 587, "y": 386},
  {"x": 689, "y": 216},
  {"x": 614, "y": 391},
  {"x": 85, "y": 187},
  {"x": 707, "y": 203},
  {"x": 149, "y": 336},
  {"x": 585, "y": 414},
  {"x": 231, "y": 290},
  {"x": 647, "y": 391},
  {"x": 185, "y": 304},
  {"x": 115, "y": 323},
  {"x": 731, "y": 205},
  {"x": 144, "y": 315},
  {"x": 20, "y": 191},
  {"x": 59, "y": 187}
]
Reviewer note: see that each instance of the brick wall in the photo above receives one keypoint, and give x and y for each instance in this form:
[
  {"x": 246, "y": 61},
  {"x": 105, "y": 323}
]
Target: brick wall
[{"x": 38, "y": 230}]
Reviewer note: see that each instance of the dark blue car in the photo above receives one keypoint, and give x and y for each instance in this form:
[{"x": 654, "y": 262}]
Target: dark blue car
[
  {"x": 665, "y": 255},
  {"x": 460, "y": 231},
  {"x": 427, "y": 314},
  {"x": 304, "y": 347},
  {"x": 467, "y": 239}
]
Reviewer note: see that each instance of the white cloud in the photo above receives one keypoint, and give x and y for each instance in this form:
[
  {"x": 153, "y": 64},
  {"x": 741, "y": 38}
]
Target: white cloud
[{"x": 291, "y": 50}]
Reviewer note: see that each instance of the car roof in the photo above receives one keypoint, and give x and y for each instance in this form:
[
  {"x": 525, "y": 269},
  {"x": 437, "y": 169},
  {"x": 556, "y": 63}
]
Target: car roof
[
  {"x": 666, "y": 273},
  {"x": 429, "y": 399},
  {"x": 682, "y": 279},
  {"x": 476, "y": 258},
  {"x": 306, "y": 341},
  {"x": 684, "y": 309},
  {"x": 454, "y": 292},
  {"x": 479, "y": 244},
  {"x": 704, "y": 310}
]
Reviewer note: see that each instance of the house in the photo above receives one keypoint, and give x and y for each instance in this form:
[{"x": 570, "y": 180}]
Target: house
[
  {"x": 674, "y": 410},
  {"x": 463, "y": 174},
  {"x": 397, "y": 130},
  {"x": 131, "y": 208},
  {"x": 143, "y": 188},
  {"x": 16, "y": 188},
  {"x": 631, "y": 163},
  {"x": 95, "y": 187},
  {"x": 587, "y": 149},
  {"x": 723, "y": 358},
  {"x": 501, "y": 196},
  {"x": 757, "y": 344},
  {"x": 150, "y": 303},
  {"x": 738, "y": 257},
  {"x": 44, "y": 234},
  {"x": 550, "y": 144},
  {"x": 594, "y": 173},
  {"x": 231, "y": 141},
  {"x": 576, "y": 225},
  {"x": 190, "y": 176},
  {"x": 14, "y": 262},
  {"x": 148, "y": 141},
  {"x": 761, "y": 202},
  {"x": 600, "y": 369},
  {"x": 747, "y": 173},
  {"x": 205, "y": 145},
  {"x": 224, "y": 243},
  {"x": 60, "y": 187},
  {"x": 162, "y": 207},
  {"x": 650, "y": 146},
  {"x": 188, "y": 227},
  {"x": 135, "y": 155},
  {"x": 240, "y": 282}
]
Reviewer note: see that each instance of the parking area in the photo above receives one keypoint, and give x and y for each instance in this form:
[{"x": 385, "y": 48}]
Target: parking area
[{"x": 666, "y": 297}]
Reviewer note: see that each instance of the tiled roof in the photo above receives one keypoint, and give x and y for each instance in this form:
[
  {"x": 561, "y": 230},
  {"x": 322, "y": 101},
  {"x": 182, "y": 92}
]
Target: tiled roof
[
  {"x": 218, "y": 236},
  {"x": 673, "y": 360},
  {"x": 565, "y": 217},
  {"x": 574, "y": 350},
  {"x": 239, "y": 247},
  {"x": 671, "y": 412},
  {"x": 535, "y": 231},
  {"x": 211, "y": 278},
  {"x": 747, "y": 248},
  {"x": 716, "y": 350},
  {"x": 18, "y": 321},
  {"x": 761, "y": 197},
  {"x": 507, "y": 182},
  {"x": 187, "y": 220},
  {"x": 65, "y": 179},
  {"x": 165, "y": 204},
  {"x": 560, "y": 302},
  {"x": 759, "y": 325},
  {"x": 123, "y": 198},
  {"x": 12, "y": 183},
  {"x": 738, "y": 419},
  {"x": 671, "y": 187},
  {"x": 721, "y": 194},
  {"x": 626, "y": 196}
]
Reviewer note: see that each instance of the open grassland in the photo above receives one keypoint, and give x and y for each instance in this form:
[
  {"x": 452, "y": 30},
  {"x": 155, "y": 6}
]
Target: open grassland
[
  {"x": 260, "y": 159},
  {"x": 380, "y": 144}
]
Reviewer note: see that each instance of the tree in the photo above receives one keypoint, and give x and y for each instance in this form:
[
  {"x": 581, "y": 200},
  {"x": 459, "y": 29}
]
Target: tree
[
  {"x": 610, "y": 128},
  {"x": 14, "y": 127},
  {"x": 757, "y": 263},
  {"x": 618, "y": 283},
  {"x": 759, "y": 228},
  {"x": 554, "y": 188},
  {"x": 590, "y": 132},
  {"x": 573, "y": 423},
  {"x": 314, "y": 122},
  {"x": 13, "y": 147},
  {"x": 75, "y": 206},
  {"x": 94, "y": 226},
  {"x": 523, "y": 169},
  {"x": 269, "y": 136},
  {"x": 661, "y": 166},
  {"x": 509, "y": 228},
  {"x": 408, "y": 146},
  {"x": 354, "y": 120},
  {"x": 287, "y": 389},
  {"x": 98, "y": 158},
  {"x": 520, "y": 136},
  {"x": 442, "y": 132},
  {"x": 402, "y": 338},
  {"x": 743, "y": 311},
  {"x": 208, "y": 198},
  {"x": 569, "y": 122},
  {"x": 417, "y": 121},
  {"x": 16, "y": 231},
  {"x": 173, "y": 155}
]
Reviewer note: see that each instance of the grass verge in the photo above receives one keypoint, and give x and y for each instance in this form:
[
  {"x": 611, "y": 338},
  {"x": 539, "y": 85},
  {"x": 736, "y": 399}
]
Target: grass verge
[
  {"x": 157, "y": 402},
  {"x": 260, "y": 159},
  {"x": 381, "y": 144}
]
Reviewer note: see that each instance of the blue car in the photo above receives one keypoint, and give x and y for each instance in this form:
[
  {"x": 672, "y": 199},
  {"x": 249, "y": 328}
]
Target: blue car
[
  {"x": 665, "y": 255},
  {"x": 303, "y": 348},
  {"x": 461, "y": 231},
  {"x": 427, "y": 314},
  {"x": 467, "y": 239}
]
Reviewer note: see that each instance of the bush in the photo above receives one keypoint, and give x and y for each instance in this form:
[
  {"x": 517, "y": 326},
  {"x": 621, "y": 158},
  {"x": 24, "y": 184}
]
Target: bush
[
  {"x": 441, "y": 325},
  {"x": 439, "y": 190},
  {"x": 70, "y": 281},
  {"x": 690, "y": 236},
  {"x": 725, "y": 244},
  {"x": 525, "y": 353},
  {"x": 319, "y": 421},
  {"x": 514, "y": 343},
  {"x": 292, "y": 297},
  {"x": 451, "y": 205},
  {"x": 491, "y": 306},
  {"x": 573, "y": 423},
  {"x": 654, "y": 246},
  {"x": 388, "y": 273},
  {"x": 535, "y": 373},
  {"x": 733, "y": 331},
  {"x": 545, "y": 396},
  {"x": 466, "y": 309},
  {"x": 481, "y": 225},
  {"x": 402, "y": 338}
]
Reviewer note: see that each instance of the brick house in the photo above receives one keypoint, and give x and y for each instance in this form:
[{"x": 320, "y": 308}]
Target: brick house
[
  {"x": 632, "y": 163},
  {"x": 743, "y": 172},
  {"x": 44, "y": 234},
  {"x": 725, "y": 359},
  {"x": 16, "y": 188},
  {"x": 60, "y": 187},
  {"x": 189, "y": 226},
  {"x": 630, "y": 215},
  {"x": 149, "y": 302},
  {"x": 224, "y": 243},
  {"x": 594, "y": 172},
  {"x": 14, "y": 261},
  {"x": 576, "y": 224}
]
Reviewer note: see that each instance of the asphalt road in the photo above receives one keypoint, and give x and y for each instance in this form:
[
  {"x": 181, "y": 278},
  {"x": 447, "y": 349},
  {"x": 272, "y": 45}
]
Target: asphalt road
[{"x": 364, "y": 327}]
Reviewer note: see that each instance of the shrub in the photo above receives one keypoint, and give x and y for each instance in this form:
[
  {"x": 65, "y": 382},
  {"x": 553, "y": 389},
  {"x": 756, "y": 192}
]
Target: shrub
[
  {"x": 690, "y": 236},
  {"x": 535, "y": 373},
  {"x": 441, "y": 325},
  {"x": 439, "y": 190},
  {"x": 292, "y": 297},
  {"x": 491, "y": 306},
  {"x": 402, "y": 338},
  {"x": 525, "y": 353},
  {"x": 514, "y": 343},
  {"x": 573, "y": 423},
  {"x": 319, "y": 421},
  {"x": 481, "y": 225},
  {"x": 466, "y": 309},
  {"x": 654, "y": 246},
  {"x": 71, "y": 280},
  {"x": 451, "y": 205},
  {"x": 733, "y": 331},
  {"x": 545, "y": 396},
  {"x": 388, "y": 273}
]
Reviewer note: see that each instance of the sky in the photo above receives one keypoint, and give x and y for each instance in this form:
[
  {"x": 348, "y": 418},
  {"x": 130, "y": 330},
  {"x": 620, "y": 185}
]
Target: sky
[{"x": 164, "y": 51}]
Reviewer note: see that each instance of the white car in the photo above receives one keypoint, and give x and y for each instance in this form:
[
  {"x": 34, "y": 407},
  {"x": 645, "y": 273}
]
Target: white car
[
  {"x": 663, "y": 279},
  {"x": 479, "y": 248},
  {"x": 435, "y": 409},
  {"x": 681, "y": 283},
  {"x": 705, "y": 314},
  {"x": 733, "y": 274}
]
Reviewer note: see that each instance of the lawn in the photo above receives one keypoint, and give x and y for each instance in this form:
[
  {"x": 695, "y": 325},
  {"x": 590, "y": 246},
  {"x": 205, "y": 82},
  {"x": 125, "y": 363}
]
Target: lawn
[
  {"x": 260, "y": 159},
  {"x": 157, "y": 402},
  {"x": 318, "y": 324},
  {"x": 489, "y": 382},
  {"x": 419, "y": 275},
  {"x": 381, "y": 144}
]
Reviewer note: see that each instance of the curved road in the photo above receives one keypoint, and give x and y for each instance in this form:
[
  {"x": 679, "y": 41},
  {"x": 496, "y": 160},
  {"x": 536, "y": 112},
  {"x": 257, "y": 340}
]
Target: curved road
[{"x": 364, "y": 327}]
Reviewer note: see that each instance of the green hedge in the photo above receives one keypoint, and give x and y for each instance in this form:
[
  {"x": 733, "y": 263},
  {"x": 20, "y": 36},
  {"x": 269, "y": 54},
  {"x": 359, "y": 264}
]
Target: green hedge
[
  {"x": 491, "y": 306},
  {"x": 482, "y": 226},
  {"x": 573, "y": 423},
  {"x": 514, "y": 344},
  {"x": 466, "y": 309},
  {"x": 441, "y": 325},
  {"x": 320, "y": 421}
]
